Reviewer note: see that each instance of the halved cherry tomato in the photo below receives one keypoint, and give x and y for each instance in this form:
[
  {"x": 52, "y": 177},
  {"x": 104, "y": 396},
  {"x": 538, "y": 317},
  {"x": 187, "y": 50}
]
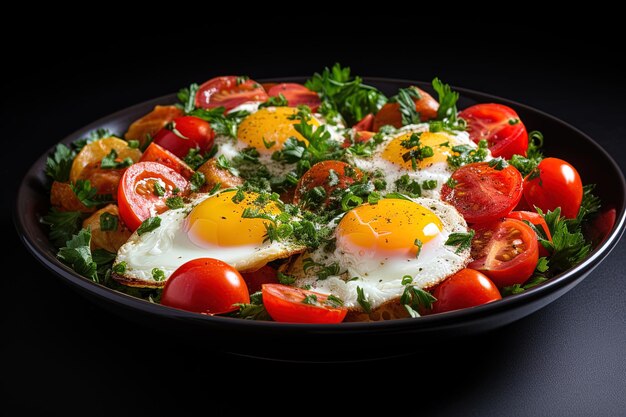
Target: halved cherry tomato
[
  {"x": 466, "y": 288},
  {"x": 482, "y": 193},
  {"x": 294, "y": 305},
  {"x": 156, "y": 153},
  {"x": 255, "y": 280},
  {"x": 184, "y": 133},
  {"x": 500, "y": 126},
  {"x": 205, "y": 285},
  {"x": 390, "y": 114},
  {"x": 296, "y": 94},
  {"x": 319, "y": 176},
  {"x": 538, "y": 221},
  {"x": 137, "y": 196},
  {"x": 557, "y": 185},
  {"x": 229, "y": 92},
  {"x": 506, "y": 251},
  {"x": 366, "y": 123}
]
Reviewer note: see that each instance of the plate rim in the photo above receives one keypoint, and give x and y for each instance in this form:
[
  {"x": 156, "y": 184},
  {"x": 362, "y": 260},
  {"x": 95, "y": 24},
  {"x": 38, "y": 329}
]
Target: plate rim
[{"x": 433, "y": 322}]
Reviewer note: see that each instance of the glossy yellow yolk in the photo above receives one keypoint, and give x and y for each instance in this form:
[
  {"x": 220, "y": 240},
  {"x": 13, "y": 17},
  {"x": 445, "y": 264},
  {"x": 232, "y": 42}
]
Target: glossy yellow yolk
[
  {"x": 394, "y": 150},
  {"x": 388, "y": 228},
  {"x": 273, "y": 125},
  {"x": 217, "y": 221}
]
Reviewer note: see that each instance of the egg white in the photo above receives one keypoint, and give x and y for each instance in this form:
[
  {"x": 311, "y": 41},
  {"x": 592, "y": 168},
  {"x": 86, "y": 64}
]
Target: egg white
[
  {"x": 167, "y": 247},
  {"x": 381, "y": 278}
]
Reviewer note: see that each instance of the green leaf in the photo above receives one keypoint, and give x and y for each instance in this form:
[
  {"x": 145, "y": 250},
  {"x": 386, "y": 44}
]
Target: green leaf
[
  {"x": 462, "y": 241},
  {"x": 108, "y": 222},
  {"x": 102, "y": 256},
  {"x": 447, "y": 101},
  {"x": 158, "y": 274},
  {"x": 334, "y": 301},
  {"x": 174, "y": 202},
  {"x": 285, "y": 279},
  {"x": 255, "y": 310},
  {"x": 187, "y": 97},
  {"x": 149, "y": 225},
  {"x": 63, "y": 225},
  {"x": 278, "y": 101},
  {"x": 197, "y": 180},
  {"x": 77, "y": 254},
  {"x": 362, "y": 300},
  {"x": 88, "y": 195},
  {"x": 59, "y": 165},
  {"x": 405, "y": 99},
  {"x": 110, "y": 161}
]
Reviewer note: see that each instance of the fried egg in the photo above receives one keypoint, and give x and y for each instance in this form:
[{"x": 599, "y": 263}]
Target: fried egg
[
  {"x": 211, "y": 226},
  {"x": 377, "y": 245},
  {"x": 388, "y": 159},
  {"x": 267, "y": 129}
]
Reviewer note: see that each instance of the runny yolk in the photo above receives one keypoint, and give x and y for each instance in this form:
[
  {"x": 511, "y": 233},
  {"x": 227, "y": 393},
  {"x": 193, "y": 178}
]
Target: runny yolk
[
  {"x": 388, "y": 228},
  {"x": 217, "y": 221},
  {"x": 440, "y": 143},
  {"x": 273, "y": 125}
]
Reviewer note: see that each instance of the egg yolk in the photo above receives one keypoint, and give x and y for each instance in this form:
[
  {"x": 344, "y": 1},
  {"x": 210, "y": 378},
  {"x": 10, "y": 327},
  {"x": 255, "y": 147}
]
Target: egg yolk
[
  {"x": 388, "y": 228},
  {"x": 217, "y": 221},
  {"x": 273, "y": 125},
  {"x": 440, "y": 143}
]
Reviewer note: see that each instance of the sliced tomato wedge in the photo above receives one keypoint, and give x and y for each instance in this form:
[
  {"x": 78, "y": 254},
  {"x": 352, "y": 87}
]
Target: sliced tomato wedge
[
  {"x": 156, "y": 153},
  {"x": 538, "y": 221},
  {"x": 506, "y": 251},
  {"x": 366, "y": 123},
  {"x": 229, "y": 92},
  {"x": 500, "y": 126},
  {"x": 294, "y": 305},
  {"x": 296, "y": 94},
  {"x": 482, "y": 193},
  {"x": 138, "y": 196}
]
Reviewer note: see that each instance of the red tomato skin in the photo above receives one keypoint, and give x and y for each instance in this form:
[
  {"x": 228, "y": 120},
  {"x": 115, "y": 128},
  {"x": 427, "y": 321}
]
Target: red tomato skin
[
  {"x": 360, "y": 136},
  {"x": 390, "y": 114},
  {"x": 492, "y": 122},
  {"x": 366, "y": 123},
  {"x": 477, "y": 204},
  {"x": 255, "y": 280},
  {"x": 558, "y": 185},
  {"x": 318, "y": 176},
  {"x": 466, "y": 288},
  {"x": 296, "y": 94},
  {"x": 188, "y": 132},
  {"x": 519, "y": 268},
  {"x": 134, "y": 207},
  {"x": 227, "y": 92},
  {"x": 537, "y": 220},
  {"x": 205, "y": 285},
  {"x": 284, "y": 304},
  {"x": 156, "y": 153},
  {"x": 601, "y": 226}
]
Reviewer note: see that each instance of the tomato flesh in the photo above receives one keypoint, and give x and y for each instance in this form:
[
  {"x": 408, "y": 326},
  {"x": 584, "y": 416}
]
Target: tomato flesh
[
  {"x": 556, "y": 185},
  {"x": 136, "y": 195},
  {"x": 296, "y": 95},
  {"x": 466, "y": 288},
  {"x": 319, "y": 176},
  {"x": 506, "y": 251},
  {"x": 538, "y": 221},
  {"x": 287, "y": 304},
  {"x": 229, "y": 92},
  {"x": 185, "y": 133},
  {"x": 366, "y": 123},
  {"x": 156, "y": 153},
  {"x": 500, "y": 126},
  {"x": 205, "y": 285},
  {"x": 482, "y": 193}
]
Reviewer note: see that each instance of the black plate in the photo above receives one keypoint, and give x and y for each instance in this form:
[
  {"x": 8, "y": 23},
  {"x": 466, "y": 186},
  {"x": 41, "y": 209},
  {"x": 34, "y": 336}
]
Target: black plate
[{"x": 348, "y": 341}]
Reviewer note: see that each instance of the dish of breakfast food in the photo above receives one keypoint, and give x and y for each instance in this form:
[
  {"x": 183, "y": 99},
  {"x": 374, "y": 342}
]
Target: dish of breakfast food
[{"x": 319, "y": 202}]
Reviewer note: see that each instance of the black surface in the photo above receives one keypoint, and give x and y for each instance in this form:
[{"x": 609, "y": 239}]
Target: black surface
[{"x": 62, "y": 354}]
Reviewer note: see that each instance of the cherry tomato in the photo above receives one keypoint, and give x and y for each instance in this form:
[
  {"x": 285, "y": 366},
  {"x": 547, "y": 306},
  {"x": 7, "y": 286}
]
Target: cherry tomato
[
  {"x": 187, "y": 132},
  {"x": 229, "y": 92},
  {"x": 366, "y": 123},
  {"x": 296, "y": 94},
  {"x": 482, "y": 193},
  {"x": 359, "y": 137},
  {"x": 156, "y": 153},
  {"x": 506, "y": 251},
  {"x": 294, "y": 305},
  {"x": 601, "y": 226},
  {"x": 537, "y": 220},
  {"x": 151, "y": 123},
  {"x": 557, "y": 185},
  {"x": 319, "y": 176},
  {"x": 137, "y": 196},
  {"x": 254, "y": 280},
  {"x": 500, "y": 126},
  {"x": 466, "y": 288},
  {"x": 390, "y": 114},
  {"x": 205, "y": 285}
]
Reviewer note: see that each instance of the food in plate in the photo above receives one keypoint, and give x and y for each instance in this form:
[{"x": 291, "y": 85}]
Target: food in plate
[{"x": 320, "y": 202}]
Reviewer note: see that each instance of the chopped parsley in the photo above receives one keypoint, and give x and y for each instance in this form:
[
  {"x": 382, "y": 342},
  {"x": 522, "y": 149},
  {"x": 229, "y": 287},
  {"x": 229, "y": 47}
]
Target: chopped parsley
[
  {"x": 175, "y": 202},
  {"x": 255, "y": 310},
  {"x": 277, "y": 101},
  {"x": 108, "y": 222},
  {"x": 149, "y": 225},
  {"x": 285, "y": 279},
  {"x": 405, "y": 99},
  {"x": 110, "y": 161},
  {"x": 58, "y": 166},
  {"x": 310, "y": 299},
  {"x": 465, "y": 154},
  {"x": 159, "y": 190},
  {"x": 88, "y": 195},
  {"x": 120, "y": 268},
  {"x": 158, "y": 274},
  {"x": 462, "y": 241},
  {"x": 334, "y": 301},
  {"x": 197, "y": 180},
  {"x": 362, "y": 300},
  {"x": 414, "y": 298}
]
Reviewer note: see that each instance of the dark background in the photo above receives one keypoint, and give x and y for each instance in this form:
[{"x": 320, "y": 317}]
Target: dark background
[{"x": 60, "y": 354}]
